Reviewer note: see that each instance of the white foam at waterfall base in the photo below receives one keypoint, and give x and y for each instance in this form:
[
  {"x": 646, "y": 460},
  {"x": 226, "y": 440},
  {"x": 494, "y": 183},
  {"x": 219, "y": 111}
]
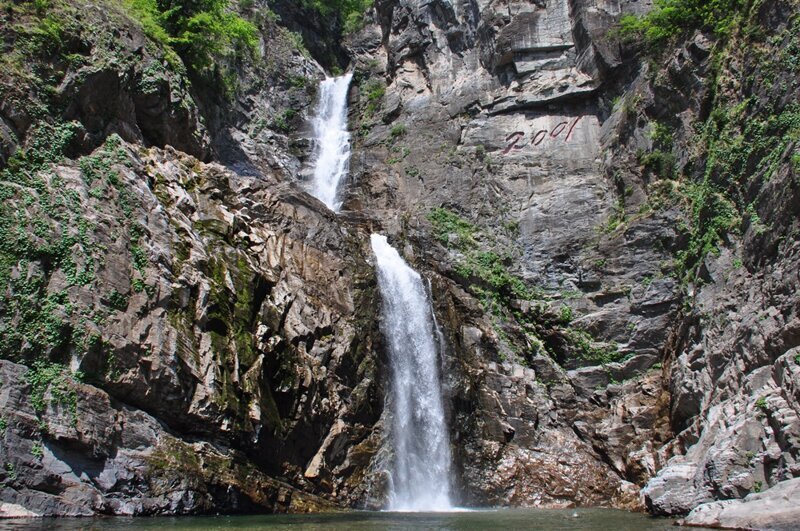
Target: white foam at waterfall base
[
  {"x": 331, "y": 141},
  {"x": 420, "y": 475}
]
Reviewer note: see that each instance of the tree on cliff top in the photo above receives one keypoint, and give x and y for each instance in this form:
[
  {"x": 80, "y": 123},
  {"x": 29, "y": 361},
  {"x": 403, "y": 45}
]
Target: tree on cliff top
[{"x": 200, "y": 30}]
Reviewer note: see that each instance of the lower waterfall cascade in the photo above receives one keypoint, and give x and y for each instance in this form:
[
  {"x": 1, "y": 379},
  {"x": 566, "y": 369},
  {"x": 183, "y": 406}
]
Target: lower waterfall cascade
[{"x": 421, "y": 471}]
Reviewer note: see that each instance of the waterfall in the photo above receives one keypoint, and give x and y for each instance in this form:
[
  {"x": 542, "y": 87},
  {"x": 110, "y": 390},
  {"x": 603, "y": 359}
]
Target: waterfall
[
  {"x": 420, "y": 475},
  {"x": 332, "y": 141}
]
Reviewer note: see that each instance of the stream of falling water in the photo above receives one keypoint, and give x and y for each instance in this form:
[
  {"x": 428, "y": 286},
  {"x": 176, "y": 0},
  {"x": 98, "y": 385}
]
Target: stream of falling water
[
  {"x": 420, "y": 475},
  {"x": 332, "y": 141}
]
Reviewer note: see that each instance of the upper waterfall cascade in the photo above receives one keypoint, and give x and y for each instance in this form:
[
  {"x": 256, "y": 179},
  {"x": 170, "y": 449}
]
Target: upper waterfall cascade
[
  {"x": 332, "y": 141},
  {"x": 420, "y": 476}
]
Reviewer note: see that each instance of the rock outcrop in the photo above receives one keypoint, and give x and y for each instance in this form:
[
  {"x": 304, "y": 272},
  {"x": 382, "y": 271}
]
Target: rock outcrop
[{"x": 775, "y": 508}]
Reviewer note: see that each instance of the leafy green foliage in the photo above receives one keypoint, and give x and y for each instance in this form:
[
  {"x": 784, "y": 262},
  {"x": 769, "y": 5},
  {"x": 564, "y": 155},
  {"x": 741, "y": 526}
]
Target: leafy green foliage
[
  {"x": 30, "y": 319},
  {"x": 490, "y": 269},
  {"x": 565, "y": 314},
  {"x": 37, "y": 450},
  {"x": 117, "y": 300},
  {"x": 201, "y": 31},
  {"x": 44, "y": 232},
  {"x": 590, "y": 351},
  {"x": 448, "y": 225},
  {"x": 397, "y": 130},
  {"x": 484, "y": 268},
  {"x": 149, "y": 16},
  {"x": 660, "y": 163},
  {"x": 349, "y": 14},
  {"x": 283, "y": 121},
  {"x": 740, "y": 147},
  {"x": 748, "y": 136},
  {"x": 49, "y": 34},
  {"x": 56, "y": 378},
  {"x": 761, "y": 404},
  {"x": 796, "y": 162},
  {"x": 671, "y": 18},
  {"x": 504, "y": 295},
  {"x": 48, "y": 143},
  {"x": 373, "y": 89}
]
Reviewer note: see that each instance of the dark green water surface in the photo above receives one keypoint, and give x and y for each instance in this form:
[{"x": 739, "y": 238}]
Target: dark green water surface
[{"x": 582, "y": 519}]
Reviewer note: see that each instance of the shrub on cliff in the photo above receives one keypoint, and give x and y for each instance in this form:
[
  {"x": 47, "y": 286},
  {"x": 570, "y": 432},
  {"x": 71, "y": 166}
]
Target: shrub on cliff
[
  {"x": 670, "y": 18},
  {"x": 201, "y": 31},
  {"x": 349, "y": 13}
]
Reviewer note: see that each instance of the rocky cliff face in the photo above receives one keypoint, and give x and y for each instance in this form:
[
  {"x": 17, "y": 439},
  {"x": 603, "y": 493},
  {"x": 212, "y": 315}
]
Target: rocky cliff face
[
  {"x": 529, "y": 122},
  {"x": 496, "y": 114},
  {"x": 610, "y": 240},
  {"x": 194, "y": 335}
]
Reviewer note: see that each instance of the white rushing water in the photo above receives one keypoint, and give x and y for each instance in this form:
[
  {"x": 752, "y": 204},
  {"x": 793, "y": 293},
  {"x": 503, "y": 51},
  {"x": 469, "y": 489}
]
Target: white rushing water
[
  {"x": 332, "y": 140},
  {"x": 420, "y": 476}
]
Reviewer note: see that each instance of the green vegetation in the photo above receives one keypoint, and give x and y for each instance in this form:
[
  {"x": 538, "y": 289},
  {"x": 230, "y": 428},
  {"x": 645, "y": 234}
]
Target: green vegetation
[
  {"x": 590, "y": 351},
  {"x": 37, "y": 450},
  {"x": 746, "y": 138},
  {"x": 400, "y": 153},
  {"x": 448, "y": 225},
  {"x": 740, "y": 147},
  {"x": 349, "y": 14},
  {"x": 796, "y": 162},
  {"x": 11, "y": 471},
  {"x": 374, "y": 90},
  {"x": 283, "y": 121},
  {"x": 117, "y": 300},
  {"x": 36, "y": 227},
  {"x": 412, "y": 171},
  {"x": 43, "y": 376},
  {"x": 504, "y": 295},
  {"x": 44, "y": 234},
  {"x": 672, "y": 18},
  {"x": 565, "y": 314},
  {"x": 201, "y": 31},
  {"x": 658, "y": 162},
  {"x": 484, "y": 268},
  {"x": 297, "y": 42},
  {"x": 617, "y": 217},
  {"x": 149, "y": 16},
  {"x": 490, "y": 270},
  {"x": 397, "y": 130},
  {"x": 761, "y": 404}
]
